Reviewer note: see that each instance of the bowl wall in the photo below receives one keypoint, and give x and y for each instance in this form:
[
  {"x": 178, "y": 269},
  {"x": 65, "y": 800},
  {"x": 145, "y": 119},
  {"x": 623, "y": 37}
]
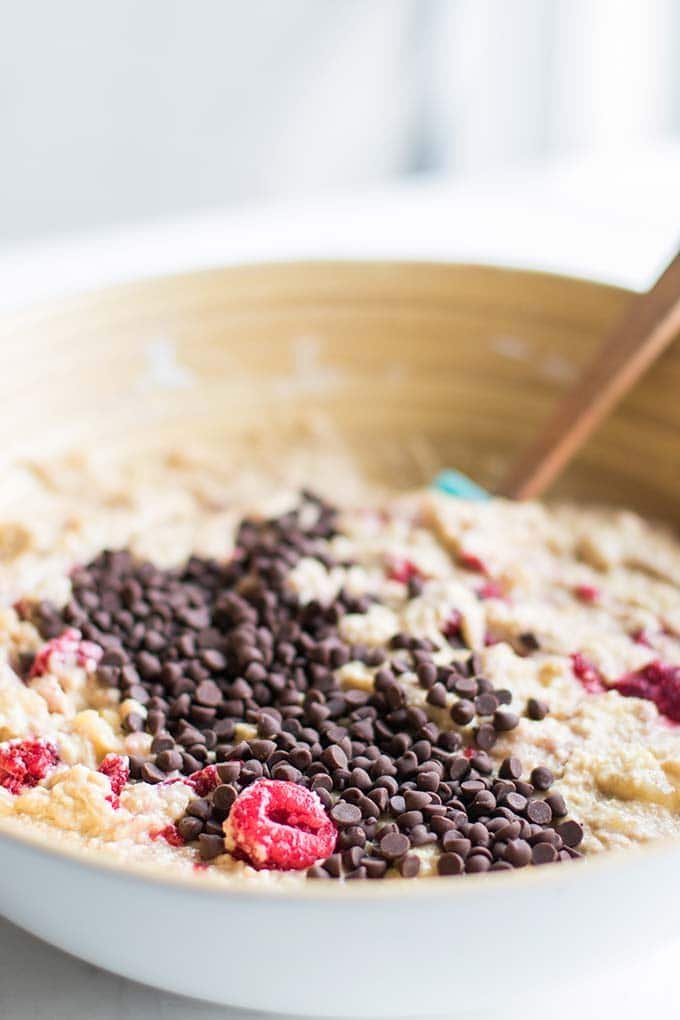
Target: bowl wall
[{"x": 416, "y": 366}]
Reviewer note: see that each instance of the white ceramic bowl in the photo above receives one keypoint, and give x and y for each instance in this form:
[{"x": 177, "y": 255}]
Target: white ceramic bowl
[
  {"x": 419, "y": 367},
  {"x": 394, "y": 948}
]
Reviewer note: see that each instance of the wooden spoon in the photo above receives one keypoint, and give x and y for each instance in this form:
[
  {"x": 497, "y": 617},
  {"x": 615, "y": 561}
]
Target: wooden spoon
[{"x": 652, "y": 320}]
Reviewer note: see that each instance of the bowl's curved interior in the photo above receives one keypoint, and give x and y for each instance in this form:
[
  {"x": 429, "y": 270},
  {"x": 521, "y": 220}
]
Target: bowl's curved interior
[{"x": 416, "y": 366}]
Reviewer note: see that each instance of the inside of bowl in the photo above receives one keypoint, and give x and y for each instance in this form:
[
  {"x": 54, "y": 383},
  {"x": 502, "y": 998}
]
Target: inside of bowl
[{"x": 342, "y": 373}]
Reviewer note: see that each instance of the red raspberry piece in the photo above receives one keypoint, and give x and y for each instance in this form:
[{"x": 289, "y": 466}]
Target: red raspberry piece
[
  {"x": 277, "y": 824},
  {"x": 491, "y": 590},
  {"x": 472, "y": 562},
  {"x": 643, "y": 637},
  {"x": 170, "y": 834},
  {"x": 658, "y": 682},
  {"x": 587, "y": 593},
  {"x": 668, "y": 700},
  {"x": 402, "y": 570},
  {"x": 26, "y": 763},
  {"x": 451, "y": 628},
  {"x": 67, "y": 649},
  {"x": 116, "y": 770},
  {"x": 203, "y": 781},
  {"x": 587, "y": 674}
]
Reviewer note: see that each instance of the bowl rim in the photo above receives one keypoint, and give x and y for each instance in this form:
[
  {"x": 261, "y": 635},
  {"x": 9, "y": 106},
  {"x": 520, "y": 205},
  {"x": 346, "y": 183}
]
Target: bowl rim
[
  {"x": 64, "y": 302},
  {"x": 103, "y": 859}
]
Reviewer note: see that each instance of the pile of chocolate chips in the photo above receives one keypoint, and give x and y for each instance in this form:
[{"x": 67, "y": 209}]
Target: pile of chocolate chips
[{"x": 212, "y": 645}]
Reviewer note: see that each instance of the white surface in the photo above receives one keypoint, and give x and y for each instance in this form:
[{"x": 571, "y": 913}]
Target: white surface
[
  {"x": 114, "y": 111},
  {"x": 615, "y": 221},
  {"x": 40, "y": 983}
]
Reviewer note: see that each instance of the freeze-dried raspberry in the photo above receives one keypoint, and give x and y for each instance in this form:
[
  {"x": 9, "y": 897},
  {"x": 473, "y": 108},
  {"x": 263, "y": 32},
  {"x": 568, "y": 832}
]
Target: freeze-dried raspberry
[
  {"x": 26, "y": 763},
  {"x": 471, "y": 561},
  {"x": 402, "y": 570},
  {"x": 643, "y": 637},
  {"x": 278, "y": 824},
  {"x": 587, "y": 593},
  {"x": 68, "y": 649},
  {"x": 203, "y": 781},
  {"x": 491, "y": 590},
  {"x": 116, "y": 770},
  {"x": 657, "y": 682},
  {"x": 451, "y": 628},
  {"x": 587, "y": 674},
  {"x": 169, "y": 833}
]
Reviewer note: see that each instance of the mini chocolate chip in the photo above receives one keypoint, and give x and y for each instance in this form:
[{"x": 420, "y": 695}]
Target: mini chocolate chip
[
  {"x": 450, "y": 864},
  {"x": 334, "y": 757},
  {"x": 229, "y": 771},
  {"x": 426, "y": 673},
  {"x": 151, "y": 773},
  {"x": 465, "y": 687},
  {"x": 375, "y": 867},
  {"x": 503, "y": 696},
  {"x": 344, "y": 814},
  {"x": 210, "y": 846},
  {"x": 458, "y": 767},
  {"x": 169, "y": 761},
  {"x": 189, "y": 828},
  {"x": 453, "y": 842},
  {"x": 571, "y": 833},
  {"x": 333, "y": 865},
  {"x": 511, "y": 768},
  {"x": 351, "y": 858},
  {"x": 208, "y": 693},
  {"x": 224, "y": 796},
  {"x": 542, "y": 778},
  {"x": 504, "y": 719},
  {"x": 539, "y": 812},
  {"x": 286, "y": 773},
  {"x": 394, "y": 845},
  {"x": 416, "y": 799},
  {"x": 518, "y": 853},
  {"x": 485, "y": 736},
  {"x": 133, "y": 723},
  {"x": 317, "y": 871},
  {"x": 409, "y": 818},
  {"x": 486, "y": 704},
  {"x": 163, "y": 742},
  {"x": 543, "y": 853},
  {"x": 484, "y": 803},
  {"x": 536, "y": 709},
  {"x": 515, "y": 801},
  {"x": 463, "y": 712},
  {"x": 262, "y": 749},
  {"x": 437, "y": 696},
  {"x": 189, "y": 763},
  {"x": 477, "y": 863},
  {"x": 557, "y": 804},
  {"x": 199, "y": 807},
  {"x": 409, "y": 866}
]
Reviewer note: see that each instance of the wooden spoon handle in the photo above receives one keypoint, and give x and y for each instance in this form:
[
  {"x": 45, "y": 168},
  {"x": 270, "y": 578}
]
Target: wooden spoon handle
[{"x": 650, "y": 323}]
